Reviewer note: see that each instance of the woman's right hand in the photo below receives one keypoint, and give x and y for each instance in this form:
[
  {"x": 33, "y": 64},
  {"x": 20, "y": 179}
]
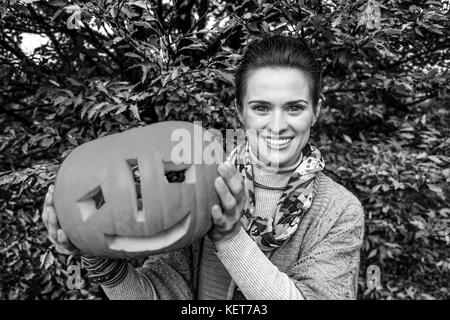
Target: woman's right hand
[{"x": 56, "y": 235}]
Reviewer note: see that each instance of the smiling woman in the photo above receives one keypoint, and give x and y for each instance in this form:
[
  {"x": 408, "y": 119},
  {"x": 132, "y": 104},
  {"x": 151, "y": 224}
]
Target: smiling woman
[{"x": 283, "y": 229}]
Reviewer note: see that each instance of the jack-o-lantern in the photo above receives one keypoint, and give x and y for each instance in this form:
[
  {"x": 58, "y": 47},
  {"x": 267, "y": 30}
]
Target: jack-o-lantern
[{"x": 114, "y": 196}]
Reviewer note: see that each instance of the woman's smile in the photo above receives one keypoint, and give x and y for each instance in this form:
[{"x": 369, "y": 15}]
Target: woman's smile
[{"x": 278, "y": 143}]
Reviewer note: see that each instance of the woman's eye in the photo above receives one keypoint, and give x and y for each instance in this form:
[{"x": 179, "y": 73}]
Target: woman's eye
[
  {"x": 295, "y": 109},
  {"x": 260, "y": 108}
]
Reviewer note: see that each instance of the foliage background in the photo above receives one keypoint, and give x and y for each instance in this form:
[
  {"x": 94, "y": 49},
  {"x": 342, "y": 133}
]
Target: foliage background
[{"x": 105, "y": 66}]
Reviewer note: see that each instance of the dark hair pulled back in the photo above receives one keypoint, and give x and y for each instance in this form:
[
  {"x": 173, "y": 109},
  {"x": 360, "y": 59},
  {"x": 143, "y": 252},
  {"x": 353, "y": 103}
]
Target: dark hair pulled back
[{"x": 279, "y": 51}]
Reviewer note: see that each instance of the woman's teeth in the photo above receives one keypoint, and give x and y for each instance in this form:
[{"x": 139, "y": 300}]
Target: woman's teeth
[{"x": 278, "y": 142}]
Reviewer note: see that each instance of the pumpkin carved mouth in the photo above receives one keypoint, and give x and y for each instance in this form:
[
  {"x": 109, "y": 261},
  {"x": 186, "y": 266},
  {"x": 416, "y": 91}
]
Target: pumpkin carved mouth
[{"x": 157, "y": 242}]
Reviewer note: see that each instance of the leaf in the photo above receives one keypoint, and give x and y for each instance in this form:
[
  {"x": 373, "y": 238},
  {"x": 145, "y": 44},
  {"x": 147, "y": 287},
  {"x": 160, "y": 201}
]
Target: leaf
[
  {"x": 47, "y": 142},
  {"x": 407, "y": 136},
  {"x": 225, "y": 76},
  {"x": 347, "y": 138},
  {"x": 25, "y": 148},
  {"x": 437, "y": 190},
  {"x": 74, "y": 21},
  {"x": 336, "y": 22},
  {"x": 73, "y": 7},
  {"x": 375, "y": 189},
  {"x": 134, "y": 109},
  {"x": 372, "y": 253},
  {"x": 6, "y": 179},
  {"x": 47, "y": 259},
  {"x": 446, "y": 173},
  {"x": 174, "y": 74},
  {"x": 54, "y": 83},
  {"x": 96, "y": 109},
  {"x": 74, "y": 82},
  {"x": 133, "y": 55},
  {"x": 194, "y": 46},
  {"x": 435, "y": 159}
]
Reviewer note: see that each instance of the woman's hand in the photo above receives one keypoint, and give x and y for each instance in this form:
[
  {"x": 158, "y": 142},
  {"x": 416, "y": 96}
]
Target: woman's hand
[
  {"x": 230, "y": 188},
  {"x": 56, "y": 235}
]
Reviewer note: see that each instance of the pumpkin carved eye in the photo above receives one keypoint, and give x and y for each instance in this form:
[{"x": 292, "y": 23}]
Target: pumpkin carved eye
[
  {"x": 179, "y": 173},
  {"x": 137, "y": 184}
]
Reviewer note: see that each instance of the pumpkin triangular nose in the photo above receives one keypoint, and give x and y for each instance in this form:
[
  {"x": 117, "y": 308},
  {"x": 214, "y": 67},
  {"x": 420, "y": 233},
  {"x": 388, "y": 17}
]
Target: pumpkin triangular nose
[{"x": 91, "y": 203}]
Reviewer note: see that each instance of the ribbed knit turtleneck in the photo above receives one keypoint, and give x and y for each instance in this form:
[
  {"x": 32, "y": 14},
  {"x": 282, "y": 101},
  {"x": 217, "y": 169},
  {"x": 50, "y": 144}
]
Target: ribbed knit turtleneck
[{"x": 273, "y": 177}]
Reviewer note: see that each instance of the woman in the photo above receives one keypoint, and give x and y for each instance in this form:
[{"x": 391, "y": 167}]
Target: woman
[{"x": 284, "y": 230}]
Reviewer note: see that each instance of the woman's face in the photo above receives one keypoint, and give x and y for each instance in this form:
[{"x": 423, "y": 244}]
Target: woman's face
[{"x": 278, "y": 114}]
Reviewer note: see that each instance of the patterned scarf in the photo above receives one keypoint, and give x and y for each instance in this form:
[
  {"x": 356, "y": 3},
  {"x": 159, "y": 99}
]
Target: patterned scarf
[{"x": 270, "y": 233}]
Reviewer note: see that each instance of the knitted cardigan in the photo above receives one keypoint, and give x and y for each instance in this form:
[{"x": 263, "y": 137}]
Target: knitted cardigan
[{"x": 322, "y": 257}]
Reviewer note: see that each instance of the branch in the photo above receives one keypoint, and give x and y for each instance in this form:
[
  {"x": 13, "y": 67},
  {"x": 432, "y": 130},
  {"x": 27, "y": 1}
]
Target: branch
[
  {"x": 14, "y": 50},
  {"x": 100, "y": 46},
  {"x": 49, "y": 33},
  {"x": 419, "y": 100},
  {"x": 346, "y": 90},
  {"x": 417, "y": 55}
]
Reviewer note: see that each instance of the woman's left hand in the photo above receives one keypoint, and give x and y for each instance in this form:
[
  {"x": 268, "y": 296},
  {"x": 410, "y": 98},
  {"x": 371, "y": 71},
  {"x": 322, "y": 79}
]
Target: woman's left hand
[{"x": 230, "y": 188}]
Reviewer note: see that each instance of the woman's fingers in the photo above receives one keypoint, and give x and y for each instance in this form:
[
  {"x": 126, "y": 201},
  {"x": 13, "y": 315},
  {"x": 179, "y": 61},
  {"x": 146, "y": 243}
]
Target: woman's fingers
[
  {"x": 48, "y": 202},
  {"x": 52, "y": 223},
  {"x": 63, "y": 239},
  {"x": 217, "y": 215},
  {"x": 62, "y": 243},
  {"x": 64, "y": 250},
  {"x": 227, "y": 199},
  {"x": 49, "y": 196},
  {"x": 233, "y": 179},
  {"x": 230, "y": 188},
  {"x": 56, "y": 235},
  {"x": 45, "y": 216},
  {"x": 220, "y": 220}
]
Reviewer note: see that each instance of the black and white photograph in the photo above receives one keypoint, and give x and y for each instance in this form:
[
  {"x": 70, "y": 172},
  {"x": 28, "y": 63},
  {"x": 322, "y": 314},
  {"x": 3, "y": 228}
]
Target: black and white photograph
[{"x": 225, "y": 150}]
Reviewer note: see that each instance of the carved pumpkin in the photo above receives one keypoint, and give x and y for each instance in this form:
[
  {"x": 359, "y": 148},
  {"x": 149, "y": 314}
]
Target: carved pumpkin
[{"x": 110, "y": 209}]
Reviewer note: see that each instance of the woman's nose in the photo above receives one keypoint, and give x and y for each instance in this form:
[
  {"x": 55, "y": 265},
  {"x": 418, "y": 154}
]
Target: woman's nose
[{"x": 278, "y": 122}]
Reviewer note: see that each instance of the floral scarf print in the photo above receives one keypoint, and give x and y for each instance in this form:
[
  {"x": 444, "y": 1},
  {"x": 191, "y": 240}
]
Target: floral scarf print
[{"x": 270, "y": 233}]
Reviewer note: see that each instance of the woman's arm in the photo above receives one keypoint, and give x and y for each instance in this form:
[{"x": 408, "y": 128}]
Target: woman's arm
[
  {"x": 252, "y": 271},
  {"x": 162, "y": 277},
  {"x": 119, "y": 279},
  {"x": 255, "y": 275},
  {"x": 169, "y": 276}
]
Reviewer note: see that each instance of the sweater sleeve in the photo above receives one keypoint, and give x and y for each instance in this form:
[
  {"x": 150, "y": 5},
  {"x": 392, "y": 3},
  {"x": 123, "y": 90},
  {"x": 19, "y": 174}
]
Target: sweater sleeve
[
  {"x": 162, "y": 277},
  {"x": 134, "y": 286},
  {"x": 255, "y": 275},
  {"x": 329, "y": 268}
]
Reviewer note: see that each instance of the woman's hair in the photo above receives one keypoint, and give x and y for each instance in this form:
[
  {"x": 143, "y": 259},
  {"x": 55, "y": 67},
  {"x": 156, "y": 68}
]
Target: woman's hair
[{"x": 278, "y": 51}]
